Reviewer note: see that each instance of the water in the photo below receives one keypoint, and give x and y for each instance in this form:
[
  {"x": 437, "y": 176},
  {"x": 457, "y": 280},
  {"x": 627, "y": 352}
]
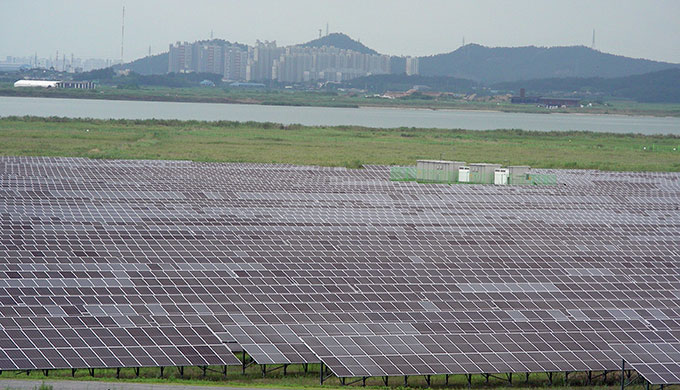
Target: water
[{"x": 322, "y": 116}]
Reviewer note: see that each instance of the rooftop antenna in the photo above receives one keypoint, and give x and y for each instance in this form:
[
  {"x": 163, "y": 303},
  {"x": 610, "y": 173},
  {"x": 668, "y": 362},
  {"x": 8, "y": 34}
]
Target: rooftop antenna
[
  {"x": 592, "y": 46},
  {"x": 319, "y": 33},
  {"x": 122, "y": 36}
]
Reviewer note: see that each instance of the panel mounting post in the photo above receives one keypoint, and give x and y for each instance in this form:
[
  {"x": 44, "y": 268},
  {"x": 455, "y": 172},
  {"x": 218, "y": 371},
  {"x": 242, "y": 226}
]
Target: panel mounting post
[
  {"x": 73, "y": 372},
  {"x": 623, "y": 374},
  {"x": 469, "y": 380},
  {"x": 446, "y": 379},
  {"x": 321, "y": 373},
  {"x": 117, "y": 372},
  {"x": 136, "y": 372},
  {"x": 590, "y": 378},
  {"x": 428, "y": 380},
  {"x": 527, "y": 378},
  {"x": 386, "y": 380},
  {"x": 405, "y": 380},
  {"x": 550, "y": 382},
  {"x": 162, "y": 368}
]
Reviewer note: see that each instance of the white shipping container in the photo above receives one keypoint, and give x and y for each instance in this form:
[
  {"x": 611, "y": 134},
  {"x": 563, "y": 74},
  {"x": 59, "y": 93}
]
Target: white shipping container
[
  {"x": 464, "y": 174},
  {"x": 501, "y": 177}
]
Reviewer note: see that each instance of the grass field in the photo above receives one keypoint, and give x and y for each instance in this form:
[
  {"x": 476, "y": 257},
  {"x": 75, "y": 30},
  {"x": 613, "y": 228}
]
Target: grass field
[
  {"x": 296, "y": 378},
  {"x": 326, "y": 99},
  {"x": 331, "y": 146}
]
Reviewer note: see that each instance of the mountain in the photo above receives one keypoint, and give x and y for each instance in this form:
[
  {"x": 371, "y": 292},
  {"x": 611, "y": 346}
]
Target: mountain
[
  {"x": 341, "y": 41},
  {"x": 501, "y": 64},
  {"x": 155, "y": 64},
  {"x": 655, "y": 87}
]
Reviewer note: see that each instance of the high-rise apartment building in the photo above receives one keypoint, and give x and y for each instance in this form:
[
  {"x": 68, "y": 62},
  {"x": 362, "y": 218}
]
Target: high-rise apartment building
[
  {"x": 412, "y": 66},
  {"x": 209, "y": 59},
  {"x": 265, "y": 61},
  {"x": 235, "y": 63},
  {"x": 181, "y": 58}
]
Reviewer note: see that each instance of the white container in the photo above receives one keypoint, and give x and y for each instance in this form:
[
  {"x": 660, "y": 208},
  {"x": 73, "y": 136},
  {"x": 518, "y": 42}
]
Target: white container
[
  {"x": 464, "y": 174},
  {"x": 500, "y": 177}
]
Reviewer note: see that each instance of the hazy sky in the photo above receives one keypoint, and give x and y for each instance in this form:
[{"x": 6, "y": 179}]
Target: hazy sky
[{"x": 91, "y": 28}]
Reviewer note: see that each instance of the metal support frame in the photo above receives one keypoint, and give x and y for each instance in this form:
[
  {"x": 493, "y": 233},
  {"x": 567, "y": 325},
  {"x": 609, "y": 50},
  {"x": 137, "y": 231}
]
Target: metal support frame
[
  {"x": 180, "y": 369},
  {"x": 162, "y": 368},
  {"x": 626, "y": 377},
  {"x": 343, "y": 381},
  {"x": 283, "y": 366},
  {"x": 205, "y": 369},
  {"x": 405, "y": 380},
  {"x": 526, "y": 380},
  {"x": 224, "y": 371},
  {"x": 446, "y": 379},
  {"x": 469, "y": 380},
  {"x": 306, "y": 367},
  {"x": 117, "y": 372},
  {"x": 246, "y": 362},
  {"x": 91, "y": 371},
  {"x": 73, "y": 372},
  {"x": 550, "y": 375},
  {"x": 323, "y": 373},
  {"x": 136, "y": 372},
  {"x": 508, "y": 377},
  {"x": 566, "y": 378},
  {"x": 46, "y": 372},
  {"x": 428, "y": 380},
  {"x": 385, "y": 380}
]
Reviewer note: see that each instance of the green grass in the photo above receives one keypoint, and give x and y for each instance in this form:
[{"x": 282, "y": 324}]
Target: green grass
[
  {"x": 328, "y": 99},
  {"x": 331, "y": 146},
  {"x": 296, "y": 378}
]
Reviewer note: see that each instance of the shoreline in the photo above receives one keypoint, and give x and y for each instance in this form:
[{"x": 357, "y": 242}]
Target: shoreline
[{"x": 226, "y": 100}]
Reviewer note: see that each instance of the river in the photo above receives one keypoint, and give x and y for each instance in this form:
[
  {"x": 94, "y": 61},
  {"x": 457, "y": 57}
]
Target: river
[{"x": 323, "y": 116}]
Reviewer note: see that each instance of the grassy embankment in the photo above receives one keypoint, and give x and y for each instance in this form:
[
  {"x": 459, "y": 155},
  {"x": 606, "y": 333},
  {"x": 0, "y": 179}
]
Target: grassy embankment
[
  {"x": 296, "y": 378},
  {"x": 324, "y": 99},
  {"x": 332, "y": 146}
]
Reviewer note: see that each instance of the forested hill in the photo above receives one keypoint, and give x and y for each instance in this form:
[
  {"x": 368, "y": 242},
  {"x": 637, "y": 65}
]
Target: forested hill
[
  {"x": 341, "y": 41},
  {"x": 501, "y": 64},
  {"x": 655, "y": 87}
]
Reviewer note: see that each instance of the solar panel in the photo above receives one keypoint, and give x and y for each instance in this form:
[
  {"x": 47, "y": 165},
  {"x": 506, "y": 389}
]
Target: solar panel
[{"x": 110, "y": 263}]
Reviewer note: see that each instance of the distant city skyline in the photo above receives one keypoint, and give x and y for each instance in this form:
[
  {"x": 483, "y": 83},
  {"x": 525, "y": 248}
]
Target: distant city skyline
[{"x": 92, "y": 29}]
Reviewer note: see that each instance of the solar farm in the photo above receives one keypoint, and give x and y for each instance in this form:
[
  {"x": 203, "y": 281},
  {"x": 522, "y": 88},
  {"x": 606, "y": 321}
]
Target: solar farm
[{"x": 133, "y": 263}]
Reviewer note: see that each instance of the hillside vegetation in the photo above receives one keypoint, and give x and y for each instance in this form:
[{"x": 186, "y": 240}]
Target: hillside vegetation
[{"x": 502, "y": 64}]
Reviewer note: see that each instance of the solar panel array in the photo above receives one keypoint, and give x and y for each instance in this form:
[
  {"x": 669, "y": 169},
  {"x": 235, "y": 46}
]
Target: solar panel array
[{"x": 159, "y": 263}]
